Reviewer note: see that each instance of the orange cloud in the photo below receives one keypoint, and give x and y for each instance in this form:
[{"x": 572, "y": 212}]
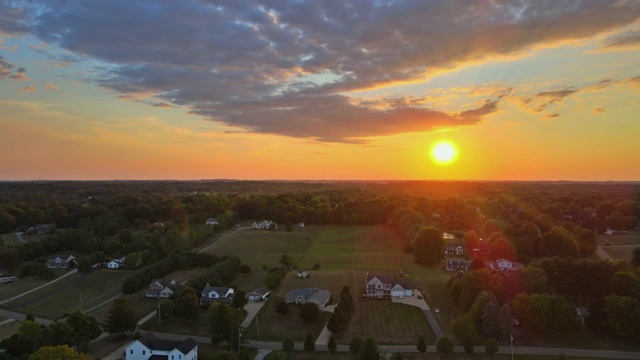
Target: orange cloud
[{"x": 28, "y": 89}]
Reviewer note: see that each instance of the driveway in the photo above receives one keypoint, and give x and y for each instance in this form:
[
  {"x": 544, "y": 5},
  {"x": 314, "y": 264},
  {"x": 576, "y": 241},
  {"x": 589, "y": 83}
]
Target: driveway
[
  {"x": 252, "y": 308},
  {"x": 325, "y": 334}
]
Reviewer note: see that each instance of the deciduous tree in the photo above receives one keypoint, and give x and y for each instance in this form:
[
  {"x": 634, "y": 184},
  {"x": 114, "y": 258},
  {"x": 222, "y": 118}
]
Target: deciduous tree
[
  {"x": 58, "y": 352},
  {"x": 309, "y": 312},
  {"x": 368, "y": 350},
  {"x": 444, "y": 346},
  {"x": 309, "y": 344},
  {"x": 558, "y": 242},
  {"x": 422, "y": 344},
  {"x": 428, "y": 246},
  {"x": 120, "y": 317}
]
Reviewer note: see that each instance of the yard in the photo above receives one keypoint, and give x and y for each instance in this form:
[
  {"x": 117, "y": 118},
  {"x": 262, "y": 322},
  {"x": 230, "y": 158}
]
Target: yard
[
  {"x": 257, "y": 247},
  {"x": 73, "y": 293},
  {"x": 620, "y": 246}
]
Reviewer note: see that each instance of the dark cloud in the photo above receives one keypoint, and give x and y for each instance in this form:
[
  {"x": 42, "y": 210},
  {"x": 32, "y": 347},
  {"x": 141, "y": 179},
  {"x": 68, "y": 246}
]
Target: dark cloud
[
  {"x": 9, "y": 70},
  {"x": 598, "y": 110},
  {"x": 551, "y": 116},
  {"x": 284, "y": 67}
]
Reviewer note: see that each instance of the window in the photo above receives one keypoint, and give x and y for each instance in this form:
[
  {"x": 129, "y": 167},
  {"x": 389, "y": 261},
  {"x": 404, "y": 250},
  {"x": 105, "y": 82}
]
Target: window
[
  {"x": 144, "y": 352},
  {"x": 131, "y": 352}
]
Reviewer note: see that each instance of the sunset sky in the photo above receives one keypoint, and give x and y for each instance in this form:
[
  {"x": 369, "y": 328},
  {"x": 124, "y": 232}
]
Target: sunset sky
[{"x": 274, "y": 89}]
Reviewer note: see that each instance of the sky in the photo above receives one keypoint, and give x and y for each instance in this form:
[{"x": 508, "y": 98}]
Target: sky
[{"x": 319, "y": 90}]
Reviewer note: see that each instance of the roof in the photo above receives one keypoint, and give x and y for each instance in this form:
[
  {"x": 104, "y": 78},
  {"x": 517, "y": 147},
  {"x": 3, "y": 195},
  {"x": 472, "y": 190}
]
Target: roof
[
  {"x": 153, "y": 343},
  {"x": 321, "y": 296},
  {"x": 220, "y": 290},
  {"x": 583, "y": 311},
  {"x": 260, "y": 291},
  {"x": 384, "y": 279},
  {"x": 405, "y": 285},
  {"x": 304, "y": 292},
  {"x": 456, "y": 259},
  {"x": 453, "y": 242},
  {"x": 61, "y": 256}
]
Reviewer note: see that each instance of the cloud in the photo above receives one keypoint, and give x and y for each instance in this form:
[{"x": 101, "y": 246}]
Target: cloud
[
  {"x": 28, "y": 89},
  {"x": 626, "y": 40},
  {"x": 598, "y": 110},
  {"x": 287, "y": 67},
  {"x": 51, "y": 87},
  {"x": 551, "y": 116}
]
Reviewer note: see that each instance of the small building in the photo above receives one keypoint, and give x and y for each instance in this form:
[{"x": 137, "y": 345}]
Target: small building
[
  {"x": 44, "y": 228},
  {"x": 457, "y": 264},
  {"x": 113, "y": 265},
  {"x": 582, "y": 313},
  {"x": 300, "y": 224},
  {"x": 258, "y": 295},
  {"x": 61, "y": 261},
  {"x": 264, "y": 225},
  {"x": 149, "y": 347},
  {"x": 302, "y": 274},
  {"x": 212, "y": 221},
  {"x": 161, "y": 288},
  {"x": 211, "y": 294}
]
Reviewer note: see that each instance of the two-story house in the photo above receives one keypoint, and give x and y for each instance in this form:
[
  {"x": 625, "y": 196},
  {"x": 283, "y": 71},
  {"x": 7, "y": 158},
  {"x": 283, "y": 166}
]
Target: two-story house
[
  {"x": 161, "y": 288},
  {"x": 149, "y": 347},
  {"x": 457, "y": 264},
  {"x": 212, "y": 294},
  {"x": 453, "y": 247},
  {"x": 503, "y": 265},
  {"x": 382, "y": 286},
  {"x": 61, "y": 261}
]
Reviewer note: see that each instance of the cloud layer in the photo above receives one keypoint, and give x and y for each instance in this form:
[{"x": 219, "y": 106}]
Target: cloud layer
[{"x": 287, "y": 67}]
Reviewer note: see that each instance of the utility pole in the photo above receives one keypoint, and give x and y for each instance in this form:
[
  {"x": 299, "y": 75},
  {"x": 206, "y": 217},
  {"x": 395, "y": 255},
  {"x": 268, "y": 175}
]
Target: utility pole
[
  {"x": 81, "y": 302},
  {"x": 257, "y": 326},
  {"x": 511, "y": 346},
  {"x": 159, "y": 315}
]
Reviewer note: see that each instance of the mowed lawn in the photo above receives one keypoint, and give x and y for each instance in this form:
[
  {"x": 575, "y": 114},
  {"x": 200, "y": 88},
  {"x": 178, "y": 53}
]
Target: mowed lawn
[
  {"x": 620, "y": 246},
  {"x": 257, "y": 247},
  {"x": 356, "y": 247},
  {"x": 80, "y": 290}
]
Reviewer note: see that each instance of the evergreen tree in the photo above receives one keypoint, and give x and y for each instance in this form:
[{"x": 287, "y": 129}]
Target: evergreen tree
[
  {"x": 422, "y": 344},
  {"x": 368, "y": 350},
  {"x": 444, "y": 346},
  {"x": 354, "y": 345},
  {"x": 468, "y": 344},
  {"x": 490, "y": 318},
  {"x": 288, "y": 344},
  {"x": 331, "y": 345},
  {"x": 504, "y": 322},
  {"x": 309, "y": 344},
  {"x": 491, "y": 347}
]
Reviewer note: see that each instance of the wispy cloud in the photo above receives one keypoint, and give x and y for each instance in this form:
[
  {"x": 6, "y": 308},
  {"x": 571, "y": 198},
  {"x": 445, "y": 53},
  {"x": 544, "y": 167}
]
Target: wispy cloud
[
  {"x": 28, "y": 89},
  {"x": 51, "y": 87},
  {"x": 598, "y": 110}
]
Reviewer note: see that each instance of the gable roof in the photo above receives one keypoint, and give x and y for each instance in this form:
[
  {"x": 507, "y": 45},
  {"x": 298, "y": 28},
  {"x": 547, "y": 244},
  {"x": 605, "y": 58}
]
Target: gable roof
[
  {"x": 383, "y": 279},
  {"x": 303, "y": 292},
  {"x": 222, "y": 291},
  {"x": 260, "y": 291},
  {"x": 61, "y": 256},
  {"x": 321, "y": 296},
  {"x": 153, "y": 343}
]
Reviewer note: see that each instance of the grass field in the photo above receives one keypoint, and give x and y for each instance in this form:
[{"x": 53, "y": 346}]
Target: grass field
[
  {"x": 257, "y": 247},
  {"x": 66, "y": 296},
  {"x": 8, "y": 329},
  {"x": 620, "y": 246},
  {"x": 19, "y": 286},
  {"x": 299, "y": 355},
  {"x": 11, "y": 239}
]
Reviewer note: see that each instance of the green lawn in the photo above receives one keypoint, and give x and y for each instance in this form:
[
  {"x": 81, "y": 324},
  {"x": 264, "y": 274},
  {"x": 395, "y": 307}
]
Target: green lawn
[
  {"x": 257, "y": 247},
  {"x": 8, "y": 329},
  {"x": 299, "y": 355},
  {"x": 70, "y": 294},
  {"x": 19, "y": 286},
  {"x": 11, "y": 239}
]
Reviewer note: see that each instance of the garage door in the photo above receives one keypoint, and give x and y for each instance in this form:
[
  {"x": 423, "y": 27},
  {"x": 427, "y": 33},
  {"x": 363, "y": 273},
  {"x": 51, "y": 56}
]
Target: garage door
[{"x": 397, "y": 292}]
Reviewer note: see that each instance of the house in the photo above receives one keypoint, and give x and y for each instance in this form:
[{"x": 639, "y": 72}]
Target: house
[
  {"x": 212, "y": 294},
  {"x": 258, "y": 295},
  {"x": 302, "y": 274},
  {"x": 149, "y": 347},
  {"x": 212, "y": 221},
  {"x": 301, "y": 295},
  {"x": 453, "y": 246},
  {"x": 457, "y": 264},
  {"x": 300, "y": 224},
  {"x": 582, "y": 313},
  {"x": 264, "y": 225},
  {"x": 61, "y": 261},
  {"x": 5, "y": 277},
  {"x": 381, "y": 286},
  {"x": 113, "y": 264},
  {"x": 161, "y": 288},
  {"x": 503, "y": 265},
  {"x": 44, "y": 228}
]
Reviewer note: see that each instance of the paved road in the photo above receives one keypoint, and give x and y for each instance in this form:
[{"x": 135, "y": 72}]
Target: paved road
[
  {"x": 19, "y": 237},
  {"x": 325, "y": 334},
  {"x": 21, "y": 317},
  {"x": 433, "y": 322},
  {"x": 603, "y": 254},
  {"x": 252, "y": 308}
]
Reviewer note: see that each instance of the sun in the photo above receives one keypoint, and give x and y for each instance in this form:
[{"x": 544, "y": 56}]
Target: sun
[{"x": 443, "y": 152}]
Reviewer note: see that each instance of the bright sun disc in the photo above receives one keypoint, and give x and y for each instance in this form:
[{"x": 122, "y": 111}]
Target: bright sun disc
[{"x": 443, "y": 152}]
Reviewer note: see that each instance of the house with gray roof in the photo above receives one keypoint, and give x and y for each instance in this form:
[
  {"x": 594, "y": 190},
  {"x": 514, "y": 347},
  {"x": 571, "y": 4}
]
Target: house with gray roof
[
  {"x": 149, "y": 347},
  {"x": 212, "y": 294},
  {"x": 301, "y": 295},
  {"x": 382, "y": 286}
]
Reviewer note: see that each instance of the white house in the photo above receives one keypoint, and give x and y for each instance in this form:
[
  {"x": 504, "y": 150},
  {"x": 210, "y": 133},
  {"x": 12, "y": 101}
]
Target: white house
[
  {"x": 380, "y": 285},
  {"x": 212, "y": 294},
  {"x": 61, "y": 261},
  {"x": 264, "y": 225},
  {"x": 161, "y": 288},
  {"x": 503, "y": 265},
  {"x": 300, "y": 224},
  {"x": 302, "y": 274},
  {"x": 212, "y": 221},
  {"x": 149, "y": 347},
  {"x": 113, "y": 264}
]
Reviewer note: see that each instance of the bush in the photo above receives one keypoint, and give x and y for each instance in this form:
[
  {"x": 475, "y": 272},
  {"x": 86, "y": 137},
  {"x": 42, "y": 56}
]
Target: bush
[
  {"x": 309, "y": 344},
  {"x": 288, "y": 344},
  {"x": 491, "y": 347},
  {"x": 309, "y": 312},
  {"x": 444, "y": 346},
  {"x": 354, "y": 345},
  {"x": 282, "y": 307}
]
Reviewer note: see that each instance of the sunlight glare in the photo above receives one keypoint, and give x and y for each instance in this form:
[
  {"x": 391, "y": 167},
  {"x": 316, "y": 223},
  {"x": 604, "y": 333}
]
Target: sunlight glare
[{"x": 443, "y": 152}]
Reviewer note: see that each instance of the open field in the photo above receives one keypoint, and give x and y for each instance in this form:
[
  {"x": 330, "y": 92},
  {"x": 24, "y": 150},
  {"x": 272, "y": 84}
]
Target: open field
[
  {"x": 620, "y": 246},
  {"x": 300, "y": 355},
  {"x": 8, "y": 329},
  {"x": 12, "y": 239},
  {"x": 70, "y": 294},
  {"x": 21, "y": 285},
  {"x": 257, "y": 247},
  {"x": 356, "y": 247}
]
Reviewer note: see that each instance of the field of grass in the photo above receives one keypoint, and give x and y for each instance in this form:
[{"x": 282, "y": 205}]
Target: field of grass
[
  {"x": 620, "y": 246},
  {"x": 8, "y": 329},
  {"x": 11, "y": 239},
  {"x": 356, "y": 247},
  {"x": 300, "y": 355},
  {"x": 257, "y": 247},
  {"x": 68, "y": 295},
  {"x": 19, "y": 286}
]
